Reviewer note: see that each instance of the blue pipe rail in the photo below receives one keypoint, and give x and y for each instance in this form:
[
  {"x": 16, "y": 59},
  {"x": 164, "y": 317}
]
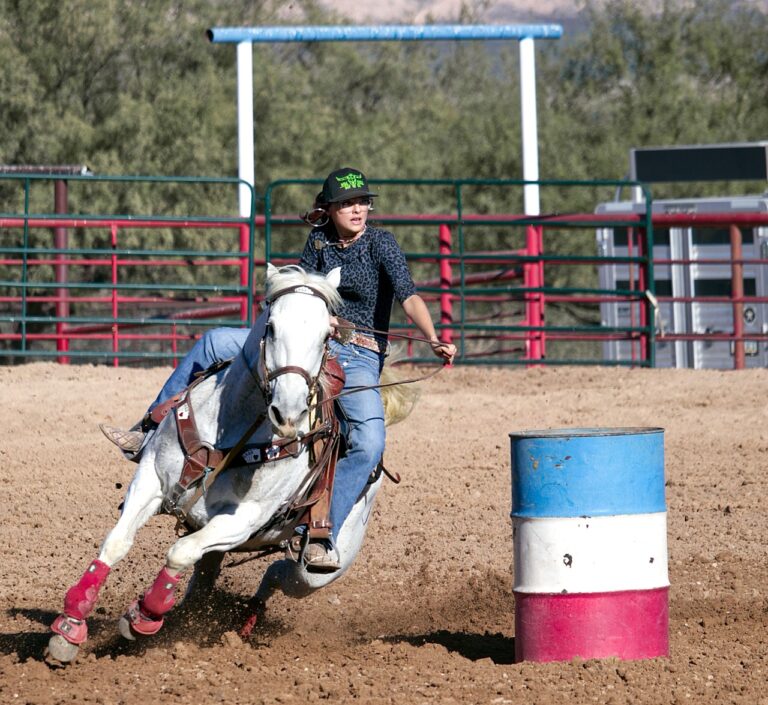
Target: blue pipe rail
[{"x": 380, "y": 33}]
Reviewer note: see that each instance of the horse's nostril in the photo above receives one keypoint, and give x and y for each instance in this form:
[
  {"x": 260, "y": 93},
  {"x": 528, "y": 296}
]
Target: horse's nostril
[{"x": 277, "y": 416}]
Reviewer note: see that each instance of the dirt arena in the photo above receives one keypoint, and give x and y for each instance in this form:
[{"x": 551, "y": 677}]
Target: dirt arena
[{"x": 427, "y": 613}]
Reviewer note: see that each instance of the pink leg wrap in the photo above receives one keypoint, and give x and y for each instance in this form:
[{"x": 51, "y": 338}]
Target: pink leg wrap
[
  {"x": 160, "y": 597},
  {"x": 257, "y": 608},
  {"x": 75, "y": 631},
  {"x": 81, "y": 597}
]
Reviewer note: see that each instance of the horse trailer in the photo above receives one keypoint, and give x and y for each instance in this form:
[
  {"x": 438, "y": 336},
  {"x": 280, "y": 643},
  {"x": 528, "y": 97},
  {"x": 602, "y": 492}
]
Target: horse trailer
[{"x": 693, "y": 283}]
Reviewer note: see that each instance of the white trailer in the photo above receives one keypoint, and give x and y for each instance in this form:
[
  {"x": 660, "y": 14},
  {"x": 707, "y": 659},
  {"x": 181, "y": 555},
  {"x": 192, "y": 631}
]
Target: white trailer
[{"x": 688, "y": 281}]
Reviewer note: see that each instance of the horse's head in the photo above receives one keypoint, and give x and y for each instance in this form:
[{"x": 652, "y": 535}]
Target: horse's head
[{"x": 295, "y": 342}]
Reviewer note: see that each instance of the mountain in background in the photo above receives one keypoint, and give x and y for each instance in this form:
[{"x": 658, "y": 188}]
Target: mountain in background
[
  {"x": 419, "y": 11},
  {"x": 564, "y": 12},
  {"x": 567, "y": 13}
]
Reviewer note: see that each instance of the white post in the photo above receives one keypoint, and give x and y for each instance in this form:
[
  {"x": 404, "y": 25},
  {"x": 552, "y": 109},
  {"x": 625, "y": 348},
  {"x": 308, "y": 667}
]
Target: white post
[
  {"x": 246, "y": 156},
  {"x": 530, "y": 135}
]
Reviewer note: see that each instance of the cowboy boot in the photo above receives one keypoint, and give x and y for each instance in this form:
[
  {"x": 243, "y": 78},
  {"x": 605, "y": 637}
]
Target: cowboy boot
[
  {"x": 321, "y": 557},
  {"x": 318, "y": 556},
  {"x": 129, "y": 441}
]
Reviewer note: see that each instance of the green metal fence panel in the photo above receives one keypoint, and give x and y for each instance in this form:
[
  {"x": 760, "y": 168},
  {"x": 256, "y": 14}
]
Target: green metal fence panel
[
  {"x": 127, "y": 270},
  {"x": 479, "y": 342},
  {"x": 145, "y": 276}
]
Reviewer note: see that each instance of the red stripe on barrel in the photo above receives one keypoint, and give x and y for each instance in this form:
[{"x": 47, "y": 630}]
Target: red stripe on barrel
[{"x": 631, "y": 624}]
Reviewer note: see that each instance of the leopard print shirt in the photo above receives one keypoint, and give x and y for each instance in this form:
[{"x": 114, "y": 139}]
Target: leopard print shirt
[{"x": 373, "y": 273}]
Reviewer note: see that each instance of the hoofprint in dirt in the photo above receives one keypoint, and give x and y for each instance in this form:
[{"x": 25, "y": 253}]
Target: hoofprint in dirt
[{"x": 426, "y": 614}]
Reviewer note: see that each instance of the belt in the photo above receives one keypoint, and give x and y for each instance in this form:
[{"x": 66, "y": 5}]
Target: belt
[{"x": 364, "y": 341}]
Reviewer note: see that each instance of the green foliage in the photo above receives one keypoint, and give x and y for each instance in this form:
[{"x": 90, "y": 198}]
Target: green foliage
[
  {"x": 131, "y": 88},
  {"x": 135, "y": 88},
  {"x": 694, "y": 73}
]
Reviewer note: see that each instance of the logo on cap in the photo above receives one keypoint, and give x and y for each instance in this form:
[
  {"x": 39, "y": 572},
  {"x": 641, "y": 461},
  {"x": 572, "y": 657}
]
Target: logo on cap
[{"x": 351, "y": 180}]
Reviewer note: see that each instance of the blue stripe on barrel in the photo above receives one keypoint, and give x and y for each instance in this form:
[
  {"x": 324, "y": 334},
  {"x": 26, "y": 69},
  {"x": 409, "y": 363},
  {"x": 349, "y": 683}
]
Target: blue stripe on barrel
[{"x": 587, "y": 472}]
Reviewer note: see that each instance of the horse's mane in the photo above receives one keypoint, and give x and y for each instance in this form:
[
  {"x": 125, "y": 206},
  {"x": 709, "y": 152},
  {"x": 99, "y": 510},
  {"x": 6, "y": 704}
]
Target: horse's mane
[{"x": 292, "y": 275}]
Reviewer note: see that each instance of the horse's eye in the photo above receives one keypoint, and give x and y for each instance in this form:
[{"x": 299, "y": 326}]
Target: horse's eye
[{"x": 270, "y": 329}]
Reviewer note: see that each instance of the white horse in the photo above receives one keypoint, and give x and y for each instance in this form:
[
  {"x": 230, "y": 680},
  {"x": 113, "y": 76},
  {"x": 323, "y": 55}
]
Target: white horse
[{"x": 272, "y": 379}]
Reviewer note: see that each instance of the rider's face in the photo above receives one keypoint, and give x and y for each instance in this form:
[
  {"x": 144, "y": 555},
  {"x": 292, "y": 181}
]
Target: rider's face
[{"x": 350, "y": 216}]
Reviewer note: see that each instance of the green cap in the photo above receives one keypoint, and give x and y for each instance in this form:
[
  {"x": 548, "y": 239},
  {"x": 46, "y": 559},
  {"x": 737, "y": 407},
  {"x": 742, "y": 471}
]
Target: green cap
[{"x": 343, "y": 184}]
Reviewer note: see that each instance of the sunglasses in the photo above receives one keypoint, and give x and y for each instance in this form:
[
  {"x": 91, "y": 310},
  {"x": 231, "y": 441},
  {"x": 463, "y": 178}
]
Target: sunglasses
[{"x": 349, "y": 204}]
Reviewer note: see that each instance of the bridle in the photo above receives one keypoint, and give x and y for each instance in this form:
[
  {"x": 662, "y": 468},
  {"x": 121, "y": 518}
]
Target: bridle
[{"x": 264, "y": 376}]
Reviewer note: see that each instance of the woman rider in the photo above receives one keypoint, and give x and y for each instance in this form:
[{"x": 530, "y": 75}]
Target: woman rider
[{"x": 373, "y": 273}]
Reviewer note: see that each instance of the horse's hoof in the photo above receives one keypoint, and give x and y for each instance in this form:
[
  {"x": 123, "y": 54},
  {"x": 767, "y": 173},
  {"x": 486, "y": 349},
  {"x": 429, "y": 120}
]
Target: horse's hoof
[
  {"x": 134, "y": 623},
  {"x": 60, "y": 651},
  {"x": 124, "y": 627}
]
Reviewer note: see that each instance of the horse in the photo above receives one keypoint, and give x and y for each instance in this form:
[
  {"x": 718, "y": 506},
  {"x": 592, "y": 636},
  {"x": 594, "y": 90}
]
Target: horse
[{"x": 261, "y": 401}]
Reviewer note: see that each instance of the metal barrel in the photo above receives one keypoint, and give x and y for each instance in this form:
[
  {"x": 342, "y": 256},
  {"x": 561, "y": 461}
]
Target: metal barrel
[{"x": 590, "y": 544}]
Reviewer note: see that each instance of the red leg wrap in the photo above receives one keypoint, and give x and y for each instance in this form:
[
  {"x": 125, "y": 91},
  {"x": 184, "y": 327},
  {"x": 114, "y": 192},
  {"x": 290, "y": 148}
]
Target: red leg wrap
[
  {"x": 75, "y": 631},
  {"x": 160, "y": 597},
  {"x": 81, "y": 597},
  {"x": 256, "y": 608},
  {"x": 142, "y": 623},
  {"x": 247, "y": 628}
]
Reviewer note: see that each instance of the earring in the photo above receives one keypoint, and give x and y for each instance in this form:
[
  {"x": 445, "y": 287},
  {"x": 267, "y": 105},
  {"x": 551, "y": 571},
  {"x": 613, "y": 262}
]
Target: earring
[{"x": 317, "y": 217}]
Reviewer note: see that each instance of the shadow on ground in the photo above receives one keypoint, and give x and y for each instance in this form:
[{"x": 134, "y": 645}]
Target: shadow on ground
[{"x": 497, "y": 647}]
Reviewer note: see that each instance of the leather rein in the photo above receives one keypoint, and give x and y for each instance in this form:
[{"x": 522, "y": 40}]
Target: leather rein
[{"x": 349, "y": 328}]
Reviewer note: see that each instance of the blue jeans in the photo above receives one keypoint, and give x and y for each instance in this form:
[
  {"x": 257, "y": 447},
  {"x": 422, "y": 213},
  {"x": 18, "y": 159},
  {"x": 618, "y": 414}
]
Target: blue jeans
[
  {"x": 213, "y": 346},
  {"x": 363, "y": 424}
]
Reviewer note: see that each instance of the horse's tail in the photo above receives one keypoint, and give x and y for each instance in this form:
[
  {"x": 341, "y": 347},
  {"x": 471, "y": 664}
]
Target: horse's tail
[{"x": 399, "y": 399}]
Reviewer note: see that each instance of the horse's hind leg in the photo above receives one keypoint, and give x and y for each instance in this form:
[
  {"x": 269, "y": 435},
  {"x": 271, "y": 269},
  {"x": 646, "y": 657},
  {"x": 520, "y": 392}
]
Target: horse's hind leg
[
  {"x": 70, "y": 629},
  {"x": 293, "y": 579}
]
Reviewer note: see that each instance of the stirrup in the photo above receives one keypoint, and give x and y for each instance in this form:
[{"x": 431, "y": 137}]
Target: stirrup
[
  {"x": 320, "y": 557},
  {"x": 127, "y": 441},
  {"x": 316, "y": 556},
  {"x": 294, "y": 548}
]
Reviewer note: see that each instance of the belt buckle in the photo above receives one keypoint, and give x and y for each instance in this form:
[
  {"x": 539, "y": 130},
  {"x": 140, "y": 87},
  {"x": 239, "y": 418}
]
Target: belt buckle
[{"x": 366, "y": 342}]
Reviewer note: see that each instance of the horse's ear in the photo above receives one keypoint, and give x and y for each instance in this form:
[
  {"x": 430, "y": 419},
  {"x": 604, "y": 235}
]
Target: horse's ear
[
  {"x": 334, "y": 277},
  {"x": 271, "y": 270}
]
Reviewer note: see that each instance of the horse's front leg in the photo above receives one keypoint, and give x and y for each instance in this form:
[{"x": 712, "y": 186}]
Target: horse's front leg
[
  {"x": 70, "y": 629},
  {"x": 222, "y": 533}
]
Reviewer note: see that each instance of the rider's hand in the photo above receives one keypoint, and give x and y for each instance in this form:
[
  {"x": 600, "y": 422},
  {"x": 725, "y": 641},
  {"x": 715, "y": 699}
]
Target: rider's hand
[{"x": 446, "y": 351}]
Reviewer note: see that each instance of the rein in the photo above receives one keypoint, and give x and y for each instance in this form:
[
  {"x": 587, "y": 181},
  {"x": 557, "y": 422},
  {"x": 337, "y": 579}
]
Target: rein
[
  {"x": 405, "y": 336},
  {"x": 347, "y": 325}
]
